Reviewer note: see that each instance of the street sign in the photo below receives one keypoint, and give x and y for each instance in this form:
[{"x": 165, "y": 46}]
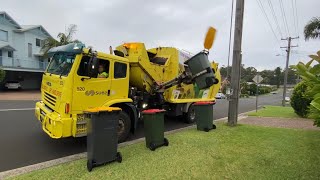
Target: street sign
[{"x": 257, "y": 79}]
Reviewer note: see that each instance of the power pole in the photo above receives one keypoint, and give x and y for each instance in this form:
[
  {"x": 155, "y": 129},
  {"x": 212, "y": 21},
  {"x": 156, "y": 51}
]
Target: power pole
[
  {"x": 288, "y": 49},
  {"x": 236, "y": 66}
]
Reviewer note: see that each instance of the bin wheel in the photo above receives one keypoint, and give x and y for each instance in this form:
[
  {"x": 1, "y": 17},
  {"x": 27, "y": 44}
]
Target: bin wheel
[
  {"x": 119, "y": 157},
  {"x": 214, "y": 126},
  {"x": 152, "y": 146},
  {"x": 166, "y": 142},
  {"x": 206, "y": 129},
  {"x": 89, "y": 165}
]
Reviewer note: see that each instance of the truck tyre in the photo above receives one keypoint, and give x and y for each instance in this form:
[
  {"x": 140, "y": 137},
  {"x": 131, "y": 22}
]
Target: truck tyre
[
  {"x": 190, "y": 116},
  {"x": 123, "y": 127}
]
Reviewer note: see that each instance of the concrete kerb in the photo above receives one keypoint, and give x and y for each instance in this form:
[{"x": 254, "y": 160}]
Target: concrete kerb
[{"x": 54, "y": 162}]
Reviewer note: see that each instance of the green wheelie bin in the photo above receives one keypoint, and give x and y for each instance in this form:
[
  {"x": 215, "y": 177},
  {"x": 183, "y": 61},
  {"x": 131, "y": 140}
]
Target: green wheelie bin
[
  {"x": 198, "y": 63},
  {"x": 154, "y": 128},
  {"x": 102, "y": 136},
  {"x": 204, "y": 116}
]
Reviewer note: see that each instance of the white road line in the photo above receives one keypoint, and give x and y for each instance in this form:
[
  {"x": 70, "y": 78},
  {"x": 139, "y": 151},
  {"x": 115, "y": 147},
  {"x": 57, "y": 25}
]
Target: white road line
[{"x": 21, "y": 109}]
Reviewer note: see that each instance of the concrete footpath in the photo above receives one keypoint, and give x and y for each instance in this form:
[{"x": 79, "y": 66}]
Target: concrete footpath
[
  {"x": 294, "y": 123},
  {"x": 20, "y": 95}
]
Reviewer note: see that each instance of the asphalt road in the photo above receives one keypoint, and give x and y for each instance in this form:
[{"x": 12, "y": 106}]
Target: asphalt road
[{"x": 22, "y": 142}]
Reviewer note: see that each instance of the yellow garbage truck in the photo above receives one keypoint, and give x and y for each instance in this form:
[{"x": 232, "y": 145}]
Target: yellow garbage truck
[{"x": 131, "y": 77}]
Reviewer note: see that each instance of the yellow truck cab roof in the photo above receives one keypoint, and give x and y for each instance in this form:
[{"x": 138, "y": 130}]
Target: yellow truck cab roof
[{"x": 105, "y": 55}]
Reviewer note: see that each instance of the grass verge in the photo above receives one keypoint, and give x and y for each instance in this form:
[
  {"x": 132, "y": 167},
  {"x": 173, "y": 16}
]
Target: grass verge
[
  {"x": 242, "y": 152},
  {"x": 275, "y": 111}
]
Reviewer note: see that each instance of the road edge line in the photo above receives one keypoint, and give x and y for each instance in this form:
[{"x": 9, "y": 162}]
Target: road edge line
[{"x": 74, "y": 157}]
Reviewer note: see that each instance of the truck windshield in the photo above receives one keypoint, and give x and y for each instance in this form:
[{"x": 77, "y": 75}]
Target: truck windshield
[{"x": 61, "y": 64}]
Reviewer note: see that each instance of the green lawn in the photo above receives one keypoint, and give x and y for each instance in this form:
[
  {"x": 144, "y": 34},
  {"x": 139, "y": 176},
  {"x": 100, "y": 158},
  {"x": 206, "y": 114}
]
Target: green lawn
[
  {"x": 275, "y": 111},
  {"x": 242, "y": 152}
]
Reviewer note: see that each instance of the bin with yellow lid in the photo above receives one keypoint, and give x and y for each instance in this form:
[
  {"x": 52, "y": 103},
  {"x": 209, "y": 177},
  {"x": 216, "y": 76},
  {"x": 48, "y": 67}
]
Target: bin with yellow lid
[{"x": 102, "y": 137}]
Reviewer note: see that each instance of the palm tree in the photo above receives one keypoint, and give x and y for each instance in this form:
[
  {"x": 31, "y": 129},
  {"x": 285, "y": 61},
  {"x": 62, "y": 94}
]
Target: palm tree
[
  {"x": 312, "y": 29},
  {"x": 64, "y": 38}
]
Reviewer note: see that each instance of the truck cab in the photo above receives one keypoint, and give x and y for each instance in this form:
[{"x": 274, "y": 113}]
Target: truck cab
[{"x": 69, "y": 87}]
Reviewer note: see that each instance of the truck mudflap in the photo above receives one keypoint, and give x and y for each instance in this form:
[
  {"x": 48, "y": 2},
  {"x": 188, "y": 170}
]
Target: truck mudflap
[{"x": 52, "y": 124}]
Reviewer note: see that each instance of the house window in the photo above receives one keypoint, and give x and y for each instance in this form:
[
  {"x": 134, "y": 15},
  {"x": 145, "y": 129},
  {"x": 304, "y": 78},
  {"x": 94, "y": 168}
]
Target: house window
[
  {"x": 120, "y": 70},
  {"x": 3, "y": 35},
  {"x": 29, "y": 50},
  {"x": 10, "y": 54},
  {"x": 38, "y": 42}
]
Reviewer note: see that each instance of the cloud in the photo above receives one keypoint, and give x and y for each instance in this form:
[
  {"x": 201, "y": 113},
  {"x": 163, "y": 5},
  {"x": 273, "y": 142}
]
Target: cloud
[{"x": 181, "y": 24}]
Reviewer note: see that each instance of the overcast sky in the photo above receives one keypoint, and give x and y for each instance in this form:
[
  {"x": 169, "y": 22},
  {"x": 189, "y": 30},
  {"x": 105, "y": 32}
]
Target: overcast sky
[{"x": 181, "y": 24}]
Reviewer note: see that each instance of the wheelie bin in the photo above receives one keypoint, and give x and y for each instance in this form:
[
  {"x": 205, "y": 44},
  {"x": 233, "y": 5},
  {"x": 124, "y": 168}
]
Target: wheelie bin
[
  {"x": 204, "y": 116},
  {"x": 102, "y": 137},
  {"x": 154, "y": 128},
  {"x": 198, "y": 63}
]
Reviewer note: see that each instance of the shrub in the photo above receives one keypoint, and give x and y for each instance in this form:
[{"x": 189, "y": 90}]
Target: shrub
[
  {"x": 262, "y": 89},
  {"x": 2, "y": 74},
  {"x": 300, "y": 99}
]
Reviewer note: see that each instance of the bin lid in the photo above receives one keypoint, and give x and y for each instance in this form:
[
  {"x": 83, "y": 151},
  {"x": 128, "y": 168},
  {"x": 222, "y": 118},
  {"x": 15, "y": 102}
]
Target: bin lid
[
  {"x": 204, "y": 103},
  {"x": 102, "y": 109},
  {"x": 153, "y": 111}
]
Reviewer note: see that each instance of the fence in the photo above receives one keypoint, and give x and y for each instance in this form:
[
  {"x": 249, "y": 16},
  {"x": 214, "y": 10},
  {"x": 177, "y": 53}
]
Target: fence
[{"x": 18, "y": 63}]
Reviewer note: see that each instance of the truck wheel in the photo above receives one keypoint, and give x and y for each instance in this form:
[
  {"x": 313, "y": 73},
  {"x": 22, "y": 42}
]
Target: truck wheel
[
  {"x": 190, "y": 116},
  {"x": 123, "y": 127}
]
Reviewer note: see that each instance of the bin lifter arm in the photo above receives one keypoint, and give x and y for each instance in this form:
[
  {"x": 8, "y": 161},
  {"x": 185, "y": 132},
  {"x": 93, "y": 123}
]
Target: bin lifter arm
[{"x": 186, "y": 78}]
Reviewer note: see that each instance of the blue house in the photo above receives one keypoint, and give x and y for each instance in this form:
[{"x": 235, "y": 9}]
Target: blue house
[{"x": 20, "y": 52}]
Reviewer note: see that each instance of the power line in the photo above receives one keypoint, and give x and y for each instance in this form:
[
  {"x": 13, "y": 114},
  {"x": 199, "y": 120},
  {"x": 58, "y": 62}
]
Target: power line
[
  {"x": 265, "y": 14},
  {"x": 275, "y": 17},
  {"x": 284, "y": 18},
  {"x": 294, "y": 18},
  {"x": 231, "y": 19},
  {"x": 297, "y": 18}
]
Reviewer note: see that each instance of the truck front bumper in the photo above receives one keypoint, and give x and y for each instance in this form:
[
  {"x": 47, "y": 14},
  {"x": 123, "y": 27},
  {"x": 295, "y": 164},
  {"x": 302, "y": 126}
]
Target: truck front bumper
[{"x": 52, "y": 123}]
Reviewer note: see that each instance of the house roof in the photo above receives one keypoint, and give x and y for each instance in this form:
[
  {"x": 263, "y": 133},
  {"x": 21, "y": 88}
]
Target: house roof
[
  {"x": 9, "y": 18},
  {"x": 25, "y": 28},
  {"x": 6, "y": 46}
]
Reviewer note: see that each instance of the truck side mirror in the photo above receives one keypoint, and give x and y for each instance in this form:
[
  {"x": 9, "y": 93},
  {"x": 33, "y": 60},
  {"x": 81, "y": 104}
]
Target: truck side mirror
[{"x": 93, "y": 67}]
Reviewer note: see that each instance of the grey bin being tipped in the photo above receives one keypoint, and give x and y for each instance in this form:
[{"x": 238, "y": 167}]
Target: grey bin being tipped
[{"x": 197, "y": 64}]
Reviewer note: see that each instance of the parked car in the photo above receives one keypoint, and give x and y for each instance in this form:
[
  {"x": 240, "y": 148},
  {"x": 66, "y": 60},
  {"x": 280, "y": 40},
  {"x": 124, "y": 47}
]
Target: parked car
[
  {"x": 287, "y": 99},
  {"x": 220, "y": 96},
  {"x": 12, "y": 85},
  {"x": 274, "y": 92}
]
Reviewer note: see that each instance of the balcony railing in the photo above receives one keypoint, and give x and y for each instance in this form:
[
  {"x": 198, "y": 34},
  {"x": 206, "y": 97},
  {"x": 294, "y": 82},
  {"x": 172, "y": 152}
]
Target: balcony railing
[{"x": 23, "y": 64}]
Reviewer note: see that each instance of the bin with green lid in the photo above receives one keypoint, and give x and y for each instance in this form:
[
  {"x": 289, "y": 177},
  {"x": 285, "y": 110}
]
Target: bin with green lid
[
  {"x": 102, "y": 137},
  {"x": 154, "y": 128},
  {"x": 204, "y": 115}
]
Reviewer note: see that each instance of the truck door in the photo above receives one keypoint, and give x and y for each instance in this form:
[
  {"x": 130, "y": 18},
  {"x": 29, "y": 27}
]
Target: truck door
[
  {"x": 120, "y": 80},
  {"x": 90, "y": 92}
]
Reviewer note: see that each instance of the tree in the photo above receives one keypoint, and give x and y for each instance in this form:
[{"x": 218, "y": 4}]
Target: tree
[
  {"x": 312, "y": 29},
  {"x": 64, "y": 38},
  {"x": 277, "y": 78},
  {"x": 2, "y": 74}
]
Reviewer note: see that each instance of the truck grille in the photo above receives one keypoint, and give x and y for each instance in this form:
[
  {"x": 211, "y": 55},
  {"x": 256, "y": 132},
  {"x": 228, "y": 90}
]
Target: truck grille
[{"x": 50, "y": 99}]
